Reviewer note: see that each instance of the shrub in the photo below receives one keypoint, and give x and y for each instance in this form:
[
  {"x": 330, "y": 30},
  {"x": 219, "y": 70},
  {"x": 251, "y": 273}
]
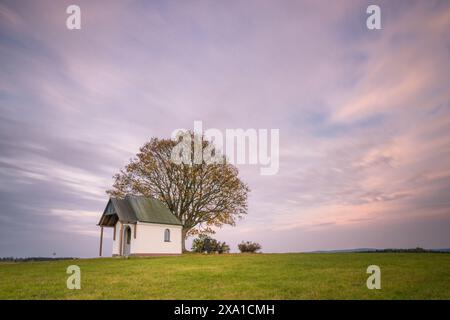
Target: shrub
[
  {"x": 207, "y": 244},
  {"x": 222, "y": 247},
  {"x": 249, "y": 246},
  {"x": 199, "y": 244}
]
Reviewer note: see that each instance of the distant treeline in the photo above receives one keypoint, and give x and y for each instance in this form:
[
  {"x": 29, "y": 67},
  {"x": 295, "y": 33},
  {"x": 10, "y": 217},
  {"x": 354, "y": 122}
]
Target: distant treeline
[
  {"x": 387, "y": 250},
  {"x": 12, "y": 259},
  {"x": 415, "y": 250}
]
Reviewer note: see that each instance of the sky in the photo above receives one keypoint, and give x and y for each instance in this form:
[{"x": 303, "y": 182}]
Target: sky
[{"x": 363, "y": 115}]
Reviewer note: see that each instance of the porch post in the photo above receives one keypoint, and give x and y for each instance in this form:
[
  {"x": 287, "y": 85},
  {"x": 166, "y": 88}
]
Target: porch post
[
  {"x": 101, "y": 240},
  {"x": 121, "y": 240}
]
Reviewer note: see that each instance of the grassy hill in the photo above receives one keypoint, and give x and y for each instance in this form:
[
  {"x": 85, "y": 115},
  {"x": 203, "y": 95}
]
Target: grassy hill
[{"x": 235, "y": 276}]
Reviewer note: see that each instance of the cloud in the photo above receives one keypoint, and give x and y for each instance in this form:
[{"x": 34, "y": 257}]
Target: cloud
[{"x": 363, "y": 115}]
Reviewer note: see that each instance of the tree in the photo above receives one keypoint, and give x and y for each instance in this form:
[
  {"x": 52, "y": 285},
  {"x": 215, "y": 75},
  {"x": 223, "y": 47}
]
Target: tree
[{"x": 201, "y": 195}]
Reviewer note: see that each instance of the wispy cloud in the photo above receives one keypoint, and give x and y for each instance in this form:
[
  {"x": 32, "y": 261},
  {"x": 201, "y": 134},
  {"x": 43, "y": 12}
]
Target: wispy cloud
[{"x": 363, "y": 115}]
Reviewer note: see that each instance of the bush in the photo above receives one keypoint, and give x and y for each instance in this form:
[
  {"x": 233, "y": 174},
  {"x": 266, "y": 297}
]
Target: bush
[
  {"x": 207, "y": 244},
  {"x": 202, "y": 244},
  {"x": 222, "y": 247},
  {"x": 249, "y": 246}
]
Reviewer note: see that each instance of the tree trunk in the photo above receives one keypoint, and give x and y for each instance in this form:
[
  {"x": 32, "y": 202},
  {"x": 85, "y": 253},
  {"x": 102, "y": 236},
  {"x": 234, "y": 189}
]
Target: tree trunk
[{"x": 183, "y": 239}]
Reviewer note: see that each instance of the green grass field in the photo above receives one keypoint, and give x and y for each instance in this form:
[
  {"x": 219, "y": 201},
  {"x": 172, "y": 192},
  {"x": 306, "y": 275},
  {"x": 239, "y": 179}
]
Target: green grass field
[{"x": 235, "y": 276}]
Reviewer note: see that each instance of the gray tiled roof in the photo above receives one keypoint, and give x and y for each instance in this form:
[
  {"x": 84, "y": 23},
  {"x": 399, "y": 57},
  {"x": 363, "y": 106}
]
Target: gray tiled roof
[{"x": 137, "y": 208}]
